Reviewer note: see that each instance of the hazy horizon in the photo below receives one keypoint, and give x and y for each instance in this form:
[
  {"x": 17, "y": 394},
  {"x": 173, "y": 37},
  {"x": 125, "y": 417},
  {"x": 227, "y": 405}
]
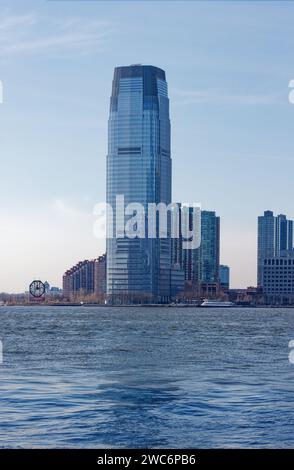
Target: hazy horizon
[{"x": 228, "y": 66}]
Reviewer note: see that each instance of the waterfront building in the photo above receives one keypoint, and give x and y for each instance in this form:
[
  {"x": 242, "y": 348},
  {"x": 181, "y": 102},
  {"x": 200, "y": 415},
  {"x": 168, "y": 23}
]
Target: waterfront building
[
  {"x": 177, "y": 242},
  {"x": 200, "y": 265},
  {"x": 86, "y": 279},
  {"x": 177, "y": 281},
  {"x": 224, "y": 277},
  {"x": 278, "y": 278},
  {"x": 100, "y": 277},
  {"x": 54, "y": 294},
  {"x": 139, "y": 168},
  {"x": 251, "y": 296},
  {"x": 190, "y": 257},
  {"x": 266, "y": 242},
  {"x": 186, "y": 258},
  {"x": 275, "y": 235},
  {"x": 283, "y": 235},
  {"x": 47, "y": 287},
  {"x": 209, "y": 251}
]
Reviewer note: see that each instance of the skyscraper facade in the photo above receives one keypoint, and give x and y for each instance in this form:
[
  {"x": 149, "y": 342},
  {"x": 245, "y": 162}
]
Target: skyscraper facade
[
  {"x": 190, "y": 257},
  {"x": 187, "y": 259},
  {"x": 278, "y": 279},
  {"x": 275, "y": 235},
  {"x": 283, "y": 234},
  {"x": 139, "y": 168},
  {"x": 200, "y": 265},
  {"x": 224, "y": 277},
  {"x": 209, "y": 251}
]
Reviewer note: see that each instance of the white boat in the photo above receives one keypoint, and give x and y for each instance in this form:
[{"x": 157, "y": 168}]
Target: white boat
[{"x": 216, "y": 303}]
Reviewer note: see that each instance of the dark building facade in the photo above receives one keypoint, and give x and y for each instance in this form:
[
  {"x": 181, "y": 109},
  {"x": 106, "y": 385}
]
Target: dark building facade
[
  {"x": 278, "y": 279},
  {"x": 209, "y": 251},
  {"x": 224, "y": 277}
]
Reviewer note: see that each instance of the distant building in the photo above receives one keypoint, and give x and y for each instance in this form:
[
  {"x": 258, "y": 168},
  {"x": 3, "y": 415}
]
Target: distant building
[
  {"x": 200, "y": 265},
  {"x": 100, "y": 277},
  {"x": 55, "y": 289},
  {"x": 79, "y": 280},
  {"x": 224, "y": 277},
  {"x": 209, "y": 251},
  {"x": 275, "y": 234},
  {"x": 177, "y": 281},
  {"x": 47, "y": 287},
  {"x": 54, "y": 293},
  {"x": 177, "y": 242},
  {"x": 251, "y": 296},
  {"x": 186, "y": 258},
  {"x": 86, "y": 279},
  {"x": 278, "y": 279},
  {"x": 190, "y": 257}
]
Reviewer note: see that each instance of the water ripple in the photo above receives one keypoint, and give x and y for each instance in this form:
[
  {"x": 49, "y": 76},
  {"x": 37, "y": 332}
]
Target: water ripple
[{"x": 102, "y": 377}]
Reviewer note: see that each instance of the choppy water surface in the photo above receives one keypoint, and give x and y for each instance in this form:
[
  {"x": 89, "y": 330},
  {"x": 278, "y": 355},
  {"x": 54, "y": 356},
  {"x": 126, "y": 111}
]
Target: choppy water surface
[{"x": 146, "y": 377}]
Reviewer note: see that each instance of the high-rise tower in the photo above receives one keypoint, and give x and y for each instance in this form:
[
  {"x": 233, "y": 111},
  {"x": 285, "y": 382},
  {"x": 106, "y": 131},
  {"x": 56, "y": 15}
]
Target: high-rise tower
[
  {"x": 139, "y": 168},
  {"x": 275, "y": 236}
]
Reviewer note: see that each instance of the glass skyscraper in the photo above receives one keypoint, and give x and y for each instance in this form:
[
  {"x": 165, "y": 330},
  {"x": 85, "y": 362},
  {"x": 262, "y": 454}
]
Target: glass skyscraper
[
  {"x": 209, "y": 251},
  {"x": 139, "y": 168}
]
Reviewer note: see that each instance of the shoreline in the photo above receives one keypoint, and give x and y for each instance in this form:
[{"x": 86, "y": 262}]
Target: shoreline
[{"x": 88, "y": 305}]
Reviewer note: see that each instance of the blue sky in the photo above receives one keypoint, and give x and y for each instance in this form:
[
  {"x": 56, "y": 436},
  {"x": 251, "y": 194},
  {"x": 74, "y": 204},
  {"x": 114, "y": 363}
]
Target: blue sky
[{"x": 228, "y": 66}]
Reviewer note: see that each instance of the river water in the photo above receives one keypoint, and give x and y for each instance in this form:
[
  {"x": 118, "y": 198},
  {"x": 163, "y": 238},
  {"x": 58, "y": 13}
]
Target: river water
[{"x": 146, "y": 377}]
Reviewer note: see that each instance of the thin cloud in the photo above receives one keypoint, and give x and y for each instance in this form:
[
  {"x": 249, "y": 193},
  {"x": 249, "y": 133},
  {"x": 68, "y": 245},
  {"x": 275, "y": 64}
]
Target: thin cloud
[
  {"x": 9, "y": 22},
  {"x": 186, "y": 97},
  {"x": 30, "y": 34},
  {"x": 64, "y": 208}
]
